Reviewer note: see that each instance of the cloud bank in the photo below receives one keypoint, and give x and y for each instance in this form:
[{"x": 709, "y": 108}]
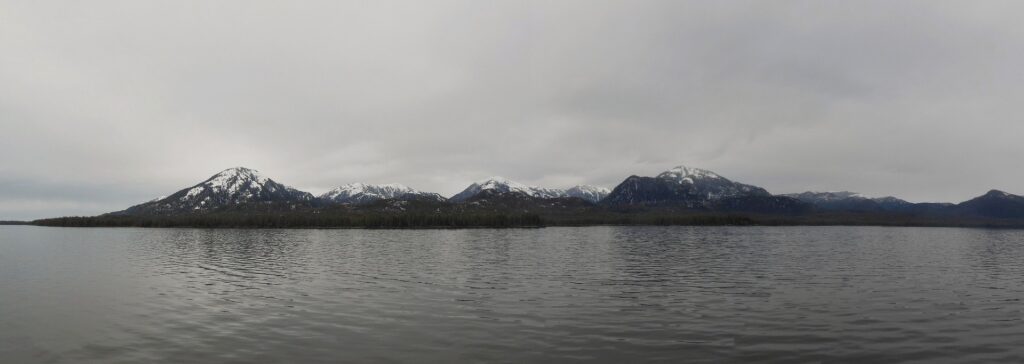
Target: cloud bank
[{"x": 107, "y": 104}]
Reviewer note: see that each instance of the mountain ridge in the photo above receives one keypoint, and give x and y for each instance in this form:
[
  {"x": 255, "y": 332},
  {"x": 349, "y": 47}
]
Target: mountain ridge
[
  {"x": 363, "y": 193},
  {"x": 678, "y": 190},
  {"x": 505, "y": 185}
]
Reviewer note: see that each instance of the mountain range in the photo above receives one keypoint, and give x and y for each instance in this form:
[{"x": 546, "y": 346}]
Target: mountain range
[
  {"x": 678, "y": 190},
  {"x": 361, "y": 193},
  {"x": 504, "y": 185}
]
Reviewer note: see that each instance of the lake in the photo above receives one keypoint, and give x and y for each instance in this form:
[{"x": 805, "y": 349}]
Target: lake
[{"x": 590, "y": 294}]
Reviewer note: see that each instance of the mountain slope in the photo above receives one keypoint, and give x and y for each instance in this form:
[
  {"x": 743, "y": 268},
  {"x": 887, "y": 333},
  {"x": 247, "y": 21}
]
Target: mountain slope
[
  {"x": 590, "y": 193},
  {"x": 837, "y": 201},
  {"x": 994, "y": 204},
  {"x": 890, "y": 203},
  {"x": 853, "y": 202},
  {"x": 823, "y": 197},
  {"x": 231, "y": 187},
  {"x": 759, "y": 204},
  {"x": 682, "y": 186},
  {"x": 503, "y": 185},
  {"x": 361, "y": 193}
]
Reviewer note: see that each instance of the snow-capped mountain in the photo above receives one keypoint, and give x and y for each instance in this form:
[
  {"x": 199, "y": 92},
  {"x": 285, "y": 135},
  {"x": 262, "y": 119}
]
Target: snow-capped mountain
[
  {"x": 361, "y": 193},
  {"x": 681, "y": 187},
  {"x": 589, "y": 193},
  {"x": 708, "y": 184},
  {"x": 233, "y": 186},
  {"x": 821, "y": 197},
  {"x": 503, "y": 185}
]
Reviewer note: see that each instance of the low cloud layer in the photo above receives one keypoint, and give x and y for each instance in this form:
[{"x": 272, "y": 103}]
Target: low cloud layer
[{"x": 107, "y": 104}]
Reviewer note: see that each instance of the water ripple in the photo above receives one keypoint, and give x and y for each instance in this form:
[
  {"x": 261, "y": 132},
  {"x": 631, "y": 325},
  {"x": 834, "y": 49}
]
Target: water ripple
[{"x": 604, "y": 294}]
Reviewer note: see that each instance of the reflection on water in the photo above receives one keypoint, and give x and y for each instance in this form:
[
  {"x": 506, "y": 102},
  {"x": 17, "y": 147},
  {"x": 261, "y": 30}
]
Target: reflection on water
[{"x": 607, "y": 294}]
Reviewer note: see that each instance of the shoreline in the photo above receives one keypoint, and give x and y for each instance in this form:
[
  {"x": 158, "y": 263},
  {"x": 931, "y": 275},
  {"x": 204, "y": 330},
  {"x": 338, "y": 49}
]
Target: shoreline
[{"x": 416, "y": 222}]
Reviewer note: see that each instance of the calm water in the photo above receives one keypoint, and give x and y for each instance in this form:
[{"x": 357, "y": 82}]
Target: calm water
[{"x": 606, "y": 294}]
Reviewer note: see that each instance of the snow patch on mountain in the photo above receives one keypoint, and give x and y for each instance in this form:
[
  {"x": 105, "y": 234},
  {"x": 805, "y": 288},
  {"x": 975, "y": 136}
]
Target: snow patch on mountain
[
  {"x": 684, "y": 174},
  {"x": 390, "y": 190},
  {"x": 236, "y": 179},
  {"x": 820, "y": 197},
  {"x": 589, "y": 193},
  {"x": 504, "y": 185},
  {"x": 835, "y": 196},
  {"x": 358, "y": 193}
]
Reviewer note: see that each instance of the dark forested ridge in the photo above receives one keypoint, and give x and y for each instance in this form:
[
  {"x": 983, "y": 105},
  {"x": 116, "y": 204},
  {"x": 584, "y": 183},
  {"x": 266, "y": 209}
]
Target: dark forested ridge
[{"x": 300, "y": 220}]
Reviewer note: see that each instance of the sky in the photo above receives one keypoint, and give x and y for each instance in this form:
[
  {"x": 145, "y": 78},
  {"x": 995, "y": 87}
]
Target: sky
[{"x": 105, "y": 104}]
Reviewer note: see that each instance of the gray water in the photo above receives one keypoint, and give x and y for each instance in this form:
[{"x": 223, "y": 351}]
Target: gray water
[{"x": 595, "y": 294}]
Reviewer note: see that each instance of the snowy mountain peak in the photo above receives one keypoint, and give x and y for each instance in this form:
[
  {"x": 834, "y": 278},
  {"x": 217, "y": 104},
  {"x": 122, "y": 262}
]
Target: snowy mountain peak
[
  {"x": 239, "y": 172},
  {"x": 505, "y": 185},
  {"x": 232, "y": 180},
  {"x": 239, "y": 169},
  {"x": 819, "y": 197},
  {"x": 502, "y": 184},
  {"x": 997, "y": 193},
  {"x": 684, "y": 174},
  {"x": 360, "y": 187},
  {"x": 590, "y": 188},
  {"x": 230, "y": 187},
  {"x": 589, "y": 193},
  {"x": 360, "y": 193}
]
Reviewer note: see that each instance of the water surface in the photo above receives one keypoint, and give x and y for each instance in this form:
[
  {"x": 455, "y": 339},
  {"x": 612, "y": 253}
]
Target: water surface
[{"x": 595, "y": 294}]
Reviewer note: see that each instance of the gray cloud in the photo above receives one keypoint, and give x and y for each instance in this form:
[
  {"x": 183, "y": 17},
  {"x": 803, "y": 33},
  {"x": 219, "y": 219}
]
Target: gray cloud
[{"x": 106, "y": 104}]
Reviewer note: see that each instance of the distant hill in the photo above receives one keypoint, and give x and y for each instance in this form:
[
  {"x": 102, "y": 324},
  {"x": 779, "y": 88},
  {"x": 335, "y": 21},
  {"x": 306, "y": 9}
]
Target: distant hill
[
  {"x": 851, "y": 201},
  {"x": 994, "y": 204}
]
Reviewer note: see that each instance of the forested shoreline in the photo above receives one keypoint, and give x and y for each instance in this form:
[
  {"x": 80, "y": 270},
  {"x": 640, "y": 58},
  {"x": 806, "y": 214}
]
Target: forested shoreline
[
  {"x": 508, "y": 220},
  {"x": 384, "y": 221}
]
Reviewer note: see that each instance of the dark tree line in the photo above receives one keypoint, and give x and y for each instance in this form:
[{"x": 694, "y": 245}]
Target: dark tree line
[
  {"x": 301, "y": 220},
  {"x": 389, "y": 221},
  {"x": 377, "y": 220}
]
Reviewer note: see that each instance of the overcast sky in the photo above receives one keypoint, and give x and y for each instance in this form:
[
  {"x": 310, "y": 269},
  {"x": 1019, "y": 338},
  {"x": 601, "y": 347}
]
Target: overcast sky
[{"x": 108, "y": 104}]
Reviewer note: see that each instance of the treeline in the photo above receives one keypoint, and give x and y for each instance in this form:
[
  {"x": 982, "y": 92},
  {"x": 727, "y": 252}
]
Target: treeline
[
  {"x": 296, "y": 220},
  {"x": 389, "y": 221},
  {"x": 507, "y": 220}
]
